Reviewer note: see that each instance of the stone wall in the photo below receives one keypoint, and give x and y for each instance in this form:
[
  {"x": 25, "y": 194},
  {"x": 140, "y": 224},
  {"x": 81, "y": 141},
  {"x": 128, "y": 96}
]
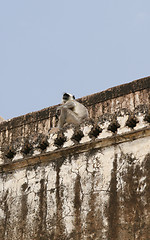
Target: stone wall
[{"x": 86, "y": 182}]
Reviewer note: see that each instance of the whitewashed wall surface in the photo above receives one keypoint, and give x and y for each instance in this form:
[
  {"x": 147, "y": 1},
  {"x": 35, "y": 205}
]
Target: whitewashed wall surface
[{"x": 87, "y": 182}]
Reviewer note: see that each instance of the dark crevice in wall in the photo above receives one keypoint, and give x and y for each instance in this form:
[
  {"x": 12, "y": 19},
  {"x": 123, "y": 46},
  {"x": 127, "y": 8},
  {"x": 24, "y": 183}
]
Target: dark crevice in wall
[
  {"x": 77, "y": 208},
  {"x": 6, "y": 219},
  {"x": 146, "y": 169},
  {"x": 24, "y": 211},
  {"x": 59, "y": 228},
  {"x": 113, "y": 204},
  {"x": 42, "y": 227}
]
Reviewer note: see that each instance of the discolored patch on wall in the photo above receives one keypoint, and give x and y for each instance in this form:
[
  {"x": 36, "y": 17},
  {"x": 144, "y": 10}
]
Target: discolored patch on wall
[
  {"x": 77, "y": 208},
  {"x": 42, "y": 233},
  {"x": 94, "y": 218},
  {"x": 134, "y": 207},
  {"x": 113, "y": 217},
  {"x": 59, "y": 227},
  {"x": 5, "y": 221},
  {"x": 23, "y": 212}
]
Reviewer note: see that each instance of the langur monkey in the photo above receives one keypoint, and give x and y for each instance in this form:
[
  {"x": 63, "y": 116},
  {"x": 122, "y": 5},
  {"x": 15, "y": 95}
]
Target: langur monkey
[{"x": 71, "y": 111}]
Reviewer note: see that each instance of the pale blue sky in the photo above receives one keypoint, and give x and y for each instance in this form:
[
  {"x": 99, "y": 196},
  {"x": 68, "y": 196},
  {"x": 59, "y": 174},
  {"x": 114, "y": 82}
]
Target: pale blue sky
[{"x": 79, "y": 46}]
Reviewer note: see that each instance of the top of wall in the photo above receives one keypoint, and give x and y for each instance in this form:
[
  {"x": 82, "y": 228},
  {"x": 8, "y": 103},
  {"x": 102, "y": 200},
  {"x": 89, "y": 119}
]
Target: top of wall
[
  {"x": 118, "y": 91},
  {"x": 90, "y": 101}
]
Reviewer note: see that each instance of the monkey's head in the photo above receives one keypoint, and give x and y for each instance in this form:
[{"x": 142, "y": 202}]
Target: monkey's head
[{"x": 67, "y": 96}]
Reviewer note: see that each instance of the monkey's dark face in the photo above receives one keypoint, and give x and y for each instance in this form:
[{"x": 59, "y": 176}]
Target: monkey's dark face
[{"x": 67, "y": 96}]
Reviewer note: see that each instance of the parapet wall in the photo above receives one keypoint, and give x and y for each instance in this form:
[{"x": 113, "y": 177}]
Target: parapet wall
[
  {"x": 107, "y": 130},
  {"x": 86, "y": 182},
  {"x": 129, "y": 96}
]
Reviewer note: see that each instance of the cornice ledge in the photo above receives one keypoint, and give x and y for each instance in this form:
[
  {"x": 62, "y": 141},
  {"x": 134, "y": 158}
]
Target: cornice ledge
[{"x": 115, "y": 139}]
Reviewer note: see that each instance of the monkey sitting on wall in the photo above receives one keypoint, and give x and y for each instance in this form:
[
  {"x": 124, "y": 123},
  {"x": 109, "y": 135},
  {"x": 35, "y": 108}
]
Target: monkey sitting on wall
[{"x": 71, "y": 111}]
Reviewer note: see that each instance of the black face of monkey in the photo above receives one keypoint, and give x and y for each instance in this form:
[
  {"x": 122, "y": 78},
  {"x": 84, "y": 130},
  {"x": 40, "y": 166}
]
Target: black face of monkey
[{"x": 67, "y": 96}]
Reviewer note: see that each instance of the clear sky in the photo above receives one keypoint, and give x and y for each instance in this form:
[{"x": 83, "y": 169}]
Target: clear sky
[{"x": 48, "y": 47}]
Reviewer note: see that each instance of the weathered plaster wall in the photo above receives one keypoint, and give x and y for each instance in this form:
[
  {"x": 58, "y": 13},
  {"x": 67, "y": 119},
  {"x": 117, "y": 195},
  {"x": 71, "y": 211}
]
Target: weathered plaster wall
[
  {"x": 100, "y": 194},
  {"x": 90, "y": 182}
]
